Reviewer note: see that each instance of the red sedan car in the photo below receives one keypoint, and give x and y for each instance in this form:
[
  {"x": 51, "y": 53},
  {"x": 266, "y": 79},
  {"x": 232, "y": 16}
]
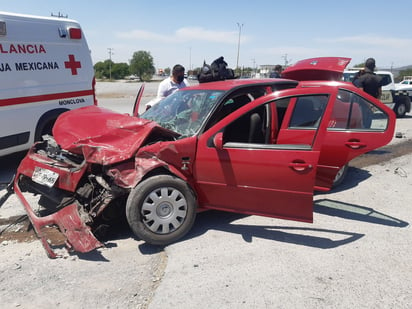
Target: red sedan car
[{"x": 256, "y": 146}]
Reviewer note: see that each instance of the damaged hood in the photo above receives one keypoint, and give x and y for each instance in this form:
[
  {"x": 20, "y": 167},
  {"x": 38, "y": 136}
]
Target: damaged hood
[
  {"x": 322, "y": 68},
  {"x": 103, "y": 136}
]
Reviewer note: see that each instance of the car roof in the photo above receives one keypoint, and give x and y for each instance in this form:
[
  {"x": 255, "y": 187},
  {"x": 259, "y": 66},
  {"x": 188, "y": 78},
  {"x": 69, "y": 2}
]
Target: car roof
[
  {"x": 239, "y": 83},
  {"x": 327, "y": 84},
  {"x": 242, "y": 83}
]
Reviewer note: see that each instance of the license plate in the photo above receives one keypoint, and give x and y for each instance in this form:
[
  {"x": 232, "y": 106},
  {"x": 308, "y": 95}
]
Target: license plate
[{"x": 44, "y": 176}]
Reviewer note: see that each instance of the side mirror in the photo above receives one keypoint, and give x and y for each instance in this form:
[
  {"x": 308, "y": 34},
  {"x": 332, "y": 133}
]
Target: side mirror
[{"x": 218, "y": 141}]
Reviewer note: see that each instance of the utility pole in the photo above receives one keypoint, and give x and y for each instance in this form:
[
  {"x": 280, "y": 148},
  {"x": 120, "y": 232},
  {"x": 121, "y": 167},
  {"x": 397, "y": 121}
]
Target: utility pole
[
  {"x": 110, "y": 62},
  {"x": 190, "y": 59},
  {"x": 285, "y": 58},
  {"x": 254, "y": 65},
  {"x": 240, "y": 26}
]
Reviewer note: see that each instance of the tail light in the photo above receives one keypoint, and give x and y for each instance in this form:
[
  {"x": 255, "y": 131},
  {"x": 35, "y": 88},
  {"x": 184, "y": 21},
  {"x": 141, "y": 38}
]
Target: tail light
[
  {"x": 94, "y": 91},
  {"x": 75, "y": 33}
]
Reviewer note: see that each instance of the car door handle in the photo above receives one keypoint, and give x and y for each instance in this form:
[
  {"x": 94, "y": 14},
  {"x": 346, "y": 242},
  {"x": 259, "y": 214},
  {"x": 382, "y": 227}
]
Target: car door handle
[
  {"x": 355, "y": 144},
  {"x": 300, "y": 166}
]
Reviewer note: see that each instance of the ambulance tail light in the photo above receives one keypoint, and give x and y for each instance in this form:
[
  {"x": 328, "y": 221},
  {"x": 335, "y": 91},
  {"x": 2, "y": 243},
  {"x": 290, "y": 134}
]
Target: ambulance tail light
[
  {"x": 94, "y": 91},
  {"x": 75, "y": 33}
]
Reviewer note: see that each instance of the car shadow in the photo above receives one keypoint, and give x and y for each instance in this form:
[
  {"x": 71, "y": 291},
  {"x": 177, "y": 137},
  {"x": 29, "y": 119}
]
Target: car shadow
[
  {"x": 379, "y": 151},
  {"x": 355, "y": 212},
  {"x": 298, "y": 235},
  {"x": 304, "y": 236},
  {"x": 352, "y": 179},
  {"x": 8, "y": 167}
]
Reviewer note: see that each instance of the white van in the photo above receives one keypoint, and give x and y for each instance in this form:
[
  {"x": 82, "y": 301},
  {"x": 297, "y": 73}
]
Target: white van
[{"x": 45, "y": 70}]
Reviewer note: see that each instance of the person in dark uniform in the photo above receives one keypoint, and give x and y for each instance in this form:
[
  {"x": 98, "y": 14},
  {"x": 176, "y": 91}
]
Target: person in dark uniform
[
  {"x": 276, "y": 73},
  {"x": 368, "y": 81}
]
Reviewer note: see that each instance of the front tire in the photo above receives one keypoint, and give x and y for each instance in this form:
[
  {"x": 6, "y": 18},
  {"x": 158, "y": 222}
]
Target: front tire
[
  {"x": 402, "y": 106},
  {"x": 161, "y": 209}
]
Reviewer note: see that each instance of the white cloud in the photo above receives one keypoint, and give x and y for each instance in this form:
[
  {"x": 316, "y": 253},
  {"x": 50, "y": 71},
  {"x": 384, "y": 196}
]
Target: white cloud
[
  {"x": 281, "y": 50},
  {"x": 370, "y": 40},
  {"x": 185, "y": 34},
  {"x": 145, "y": 35},
  {"x": 198, "y": 33},
  {"x": 388, "y": 51},
  {"x": 290, "y": 53}
]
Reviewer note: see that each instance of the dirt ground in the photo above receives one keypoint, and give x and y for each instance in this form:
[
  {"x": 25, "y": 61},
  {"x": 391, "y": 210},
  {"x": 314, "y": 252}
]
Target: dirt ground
[{"x": 127, "y": 273}]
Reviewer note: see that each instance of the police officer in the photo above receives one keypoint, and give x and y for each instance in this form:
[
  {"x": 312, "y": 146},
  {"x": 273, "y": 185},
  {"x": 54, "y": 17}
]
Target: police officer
[{"x": 368, "y": 81}]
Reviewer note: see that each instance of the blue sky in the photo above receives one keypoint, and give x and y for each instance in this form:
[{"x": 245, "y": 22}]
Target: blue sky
[{"x": 272, "y": 32}]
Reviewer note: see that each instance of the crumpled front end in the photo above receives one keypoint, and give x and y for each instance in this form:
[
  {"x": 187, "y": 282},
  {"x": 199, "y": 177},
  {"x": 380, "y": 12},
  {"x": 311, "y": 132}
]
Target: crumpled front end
[
  {"x": 56, "y": 182},
  {"x": 83, "y": 177},
  {"x": 68, "y": 220},
  {"x": 103, "y": 136}
]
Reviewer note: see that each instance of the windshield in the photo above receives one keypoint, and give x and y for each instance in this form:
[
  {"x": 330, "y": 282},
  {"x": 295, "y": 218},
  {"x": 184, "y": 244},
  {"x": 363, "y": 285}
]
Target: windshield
[
  {"x": 349, "y": 76},
  {"x": 184, "y": 111}
]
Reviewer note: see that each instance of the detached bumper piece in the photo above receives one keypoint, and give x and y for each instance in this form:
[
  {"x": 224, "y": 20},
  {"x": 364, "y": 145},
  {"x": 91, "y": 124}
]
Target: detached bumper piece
[{"x": 78, "y": 235}]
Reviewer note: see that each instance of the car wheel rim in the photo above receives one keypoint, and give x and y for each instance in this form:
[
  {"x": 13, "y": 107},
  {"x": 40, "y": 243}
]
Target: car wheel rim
[
  {"x": 339, "y": 174},
  {"x": 401, "y": 109},
  {"x": 164, "y": 210}
]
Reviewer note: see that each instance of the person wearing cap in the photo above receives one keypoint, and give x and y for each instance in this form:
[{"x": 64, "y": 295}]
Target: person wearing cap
[{"x": 368, "y": 81}]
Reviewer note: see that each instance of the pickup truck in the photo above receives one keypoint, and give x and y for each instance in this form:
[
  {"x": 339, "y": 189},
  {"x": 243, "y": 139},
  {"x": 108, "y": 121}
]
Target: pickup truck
[
  {"x": 405, "y": 83},
  {"x": 396, "y": 97}
]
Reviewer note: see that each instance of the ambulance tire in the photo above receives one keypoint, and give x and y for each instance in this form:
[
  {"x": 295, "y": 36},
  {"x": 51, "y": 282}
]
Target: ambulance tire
[{"x": 46, "y": 122}]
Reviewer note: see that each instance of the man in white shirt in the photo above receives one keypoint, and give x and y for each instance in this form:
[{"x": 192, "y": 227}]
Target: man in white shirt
[{"x": 172, "y": 83}]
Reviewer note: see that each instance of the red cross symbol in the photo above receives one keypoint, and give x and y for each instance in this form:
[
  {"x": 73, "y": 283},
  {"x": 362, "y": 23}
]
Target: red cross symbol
[{"x": 72, "y": 64}]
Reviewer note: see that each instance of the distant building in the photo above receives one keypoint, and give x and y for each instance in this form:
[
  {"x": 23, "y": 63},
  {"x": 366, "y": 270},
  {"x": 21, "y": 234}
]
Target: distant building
[{"x": 265, "y": 69}]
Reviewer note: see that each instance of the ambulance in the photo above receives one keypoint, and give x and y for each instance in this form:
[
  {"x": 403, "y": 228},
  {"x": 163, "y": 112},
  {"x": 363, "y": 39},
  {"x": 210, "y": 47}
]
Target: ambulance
[{"x": 45, "y": 70}]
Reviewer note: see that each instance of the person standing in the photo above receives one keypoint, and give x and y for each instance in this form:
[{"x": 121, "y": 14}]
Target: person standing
[
  {"x": 172, "y": 83},
  {"x": 368, "y": 81},
  {"x": 276, "y": 73}
]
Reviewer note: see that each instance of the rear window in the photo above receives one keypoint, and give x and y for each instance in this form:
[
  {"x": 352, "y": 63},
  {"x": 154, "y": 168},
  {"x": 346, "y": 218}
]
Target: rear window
[{"x": 352, "y": 112}]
